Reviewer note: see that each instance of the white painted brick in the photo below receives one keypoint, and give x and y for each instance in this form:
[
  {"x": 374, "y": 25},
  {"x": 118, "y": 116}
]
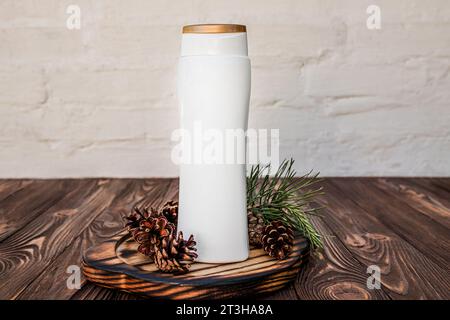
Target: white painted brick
[
  {"x": 21, "y": 87},
  {"x": 361, "y": 158},
  {"x": 45, "y": 13},
  {"x": 145, "y": 45},
  {"x": 295, "y": 40},
  {"x": 128, "y": 86},
  {"x": 106, "y": 124},
  {"x": 144, "y": 12},
  {"x": 310, "y": 123},
  {"x": 29, "y": 12},
  {"x": 101, "y": 101},
  {"x": 395, "y": 43},
  {"x": 120, "y": 159},
  {"x": 92, "y": 125},
  {"x": 37, "y": 45},
  {"x": 284, "y": 79},
  {"x": 341, "y": 80},
  {"x": 88, "y": 124}
]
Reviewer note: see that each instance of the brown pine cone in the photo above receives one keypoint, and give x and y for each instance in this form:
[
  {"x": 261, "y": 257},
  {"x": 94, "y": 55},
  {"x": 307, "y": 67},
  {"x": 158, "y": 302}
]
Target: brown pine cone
[
  {"x": 174, "y": 254},
  {"x": 170, "y": 211},
  {"x": 150, "y": 233},
  {"x": 136, "y": 216},
  {"x": 256, "y": 226},
  {"x": 277, "y": 240},
  {"x": 146, "y": 242},
  {"x": 133, "y": 220}
]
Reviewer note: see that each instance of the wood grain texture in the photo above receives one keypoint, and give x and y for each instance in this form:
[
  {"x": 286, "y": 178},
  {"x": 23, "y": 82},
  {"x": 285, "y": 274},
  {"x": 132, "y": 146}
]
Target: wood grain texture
[
  {"x": 163, "y": 190},
  {"x": 406, "y": 273},
  {"x": 91, "y": 291},
  {"x": 117, "y": 264},
  {"x": 424, "y": 233},
  {"x": 87, "y": 292},
  {"x": 400, "y": 224},
  {"x": 434, "y": 186},
  {"x": 287, "y": 293},
  {"x": 21, "y": 207},
  {"x": 30, "y": 250},
  {"x": 419, "y": 198},
  {"x": 8, "y": 187},
  {"x": 106, "y": 224},
  {"x": 440, "y": 183},
  {"x": 334, "y": 273}
]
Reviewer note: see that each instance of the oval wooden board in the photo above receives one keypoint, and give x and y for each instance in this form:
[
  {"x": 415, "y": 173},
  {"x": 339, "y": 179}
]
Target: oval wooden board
[{"x": 116, "y": 264}]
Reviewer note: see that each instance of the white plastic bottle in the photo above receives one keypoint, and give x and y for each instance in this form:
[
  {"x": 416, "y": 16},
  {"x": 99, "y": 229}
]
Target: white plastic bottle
[{"x": 214, "y": 93}]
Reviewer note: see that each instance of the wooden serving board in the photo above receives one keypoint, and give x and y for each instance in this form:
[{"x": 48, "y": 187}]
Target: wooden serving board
[{"x": 117, "y": 264}]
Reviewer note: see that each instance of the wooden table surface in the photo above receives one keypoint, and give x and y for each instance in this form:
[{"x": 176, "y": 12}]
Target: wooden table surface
[{"x": 401, "y": 225}]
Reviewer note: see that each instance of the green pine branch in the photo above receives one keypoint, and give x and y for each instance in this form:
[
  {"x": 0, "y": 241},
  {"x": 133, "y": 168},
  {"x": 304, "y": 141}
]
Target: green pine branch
[{"x": 285, "y": 197}]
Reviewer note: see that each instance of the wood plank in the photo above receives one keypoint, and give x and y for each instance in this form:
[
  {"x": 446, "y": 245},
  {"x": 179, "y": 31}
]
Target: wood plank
[
  {"x": 117, "y": 264},
  {"x": 442, "y": 183},
  {"x": 405, "y": 272},
  {"x": 418, "y": 197},
  {"x": 107, "y": 224},
  {"x": 334, "y": 273},
  {"x": 93, "y": 292},
  {"x": 8, "y": 187},
  {"x": 174, "y": 191},
  {"x": 425, "y": 234},
  {"x": 31, "y": 249},
  {"x": 377, "y": 233},
  {"x": 155, "y": 192},
  {"x": 25, "y": 205},
  {"x": 440, "y": 188},
  {"x": 287, "y": 293}
]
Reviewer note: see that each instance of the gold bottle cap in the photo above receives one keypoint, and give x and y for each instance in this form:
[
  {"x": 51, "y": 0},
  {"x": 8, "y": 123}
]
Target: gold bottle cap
[{"x": 214, "y": 28}]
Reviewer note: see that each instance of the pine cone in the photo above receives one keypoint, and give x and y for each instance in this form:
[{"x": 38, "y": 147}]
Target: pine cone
[
  {"x": 146, "y": 241},
  {"x": 133, "y": 220},
  {"x": 174, "y": 254},
  {"x": 277, "y": 240},
  {"x": 150, "y": 233},
  {"x": 136, "y": 216},
  {"x": 170, "y": 211},
  {"x": 256, "y": 226}
]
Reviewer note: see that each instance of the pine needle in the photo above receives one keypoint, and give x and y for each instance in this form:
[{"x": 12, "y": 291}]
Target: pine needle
[{"x": 285, "y": 197}]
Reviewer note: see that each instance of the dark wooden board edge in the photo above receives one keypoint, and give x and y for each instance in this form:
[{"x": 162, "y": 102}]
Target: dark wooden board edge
[{"x": 107, "y": 270}]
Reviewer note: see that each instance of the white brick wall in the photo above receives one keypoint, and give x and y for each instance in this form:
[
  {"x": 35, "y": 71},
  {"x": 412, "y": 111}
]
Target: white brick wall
[{"x": 101, "y": 101}]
